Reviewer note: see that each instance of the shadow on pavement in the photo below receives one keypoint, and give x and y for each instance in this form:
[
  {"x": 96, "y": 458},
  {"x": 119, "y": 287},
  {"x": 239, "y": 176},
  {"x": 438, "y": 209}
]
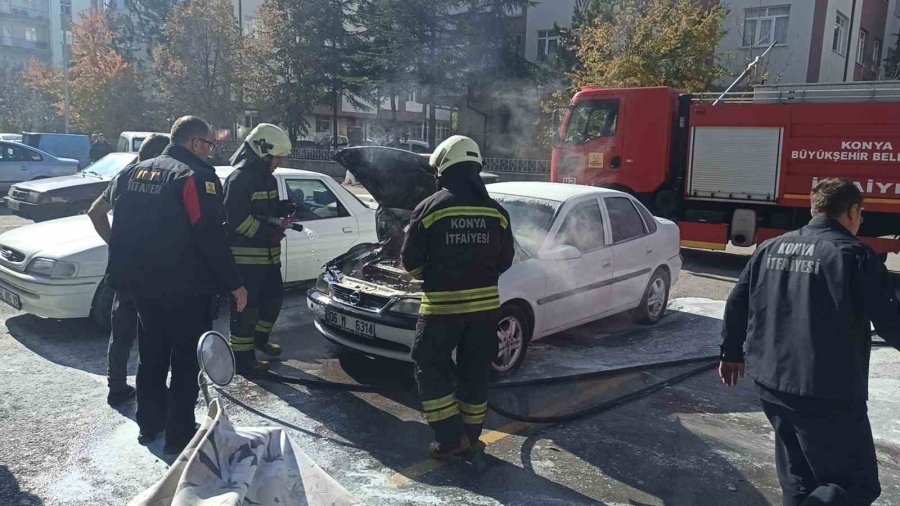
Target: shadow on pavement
[
  {"x": 10, "y": 493},
  {"x": 70, "y": 343}
]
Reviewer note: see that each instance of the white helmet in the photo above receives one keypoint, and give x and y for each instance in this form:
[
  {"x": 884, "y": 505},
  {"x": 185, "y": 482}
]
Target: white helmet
[
  {"x": 455, "y": 149},
  {"x": 268, "y": 140}
]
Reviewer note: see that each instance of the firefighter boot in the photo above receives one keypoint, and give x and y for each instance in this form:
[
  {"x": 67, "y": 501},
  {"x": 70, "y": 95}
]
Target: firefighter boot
[
  {"x": 444, "y": 453},
  {"x": 270, "y": 349},
  {"x": 252, "y": 367}
]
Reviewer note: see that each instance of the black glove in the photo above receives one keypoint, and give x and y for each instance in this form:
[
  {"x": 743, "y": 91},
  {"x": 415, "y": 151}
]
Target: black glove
[{"x": 286, "y": 208}]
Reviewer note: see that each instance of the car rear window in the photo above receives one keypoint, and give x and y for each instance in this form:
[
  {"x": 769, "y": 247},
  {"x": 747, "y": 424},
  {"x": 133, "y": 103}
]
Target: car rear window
[{"x": 624, "y": 219}]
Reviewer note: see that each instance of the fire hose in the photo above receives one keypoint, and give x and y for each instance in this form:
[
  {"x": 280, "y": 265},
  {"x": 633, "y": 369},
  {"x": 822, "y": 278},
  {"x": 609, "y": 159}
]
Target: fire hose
[{"x": 707, "y": 363}]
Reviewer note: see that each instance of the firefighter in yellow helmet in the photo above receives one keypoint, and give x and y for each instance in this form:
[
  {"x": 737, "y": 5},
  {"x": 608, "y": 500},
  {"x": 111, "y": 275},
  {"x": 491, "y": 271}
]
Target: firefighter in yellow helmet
[
  {"x": 257, "y": 221},
  {"x": 458, "y": 242}
]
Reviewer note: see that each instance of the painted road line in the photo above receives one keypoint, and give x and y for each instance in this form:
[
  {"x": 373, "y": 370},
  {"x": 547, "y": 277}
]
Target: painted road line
[{"x": 424, "y": 467}]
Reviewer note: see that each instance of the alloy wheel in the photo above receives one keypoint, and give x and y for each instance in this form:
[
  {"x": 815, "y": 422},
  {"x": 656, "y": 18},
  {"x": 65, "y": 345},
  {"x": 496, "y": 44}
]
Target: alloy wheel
[{"x": 510, "y": 338}]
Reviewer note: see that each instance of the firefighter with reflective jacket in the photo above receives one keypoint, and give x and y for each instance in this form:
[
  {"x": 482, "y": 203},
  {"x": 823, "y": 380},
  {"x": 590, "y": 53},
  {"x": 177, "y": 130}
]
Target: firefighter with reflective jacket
[
  {"x": 458, "y": 242},
  {"x": 257, "y": 220}
]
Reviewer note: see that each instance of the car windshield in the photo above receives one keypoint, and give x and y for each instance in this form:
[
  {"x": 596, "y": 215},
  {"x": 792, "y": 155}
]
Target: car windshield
[
  {"x": 530, "y": 218},
  {"x": 136, "y": 144},
  {"x": 109, "y": 165}
]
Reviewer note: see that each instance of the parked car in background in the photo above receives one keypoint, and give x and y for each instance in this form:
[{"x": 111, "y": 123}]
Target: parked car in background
[
  {"x": 582, "y": 253},
  {"x": 55, "y": 269},
  {"x": 11, "y": 137},
  {"x": 74, "y": 146},
  {"x": 411, "y": 145},
  {"x": 19, "y": 163},
  {"x": 57, "y": 197},
  {"x": 130, "y": 142}
]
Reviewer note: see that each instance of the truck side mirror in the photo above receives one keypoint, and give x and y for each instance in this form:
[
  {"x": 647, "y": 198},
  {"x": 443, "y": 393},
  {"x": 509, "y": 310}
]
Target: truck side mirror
[{"x": 555, "y": 140}]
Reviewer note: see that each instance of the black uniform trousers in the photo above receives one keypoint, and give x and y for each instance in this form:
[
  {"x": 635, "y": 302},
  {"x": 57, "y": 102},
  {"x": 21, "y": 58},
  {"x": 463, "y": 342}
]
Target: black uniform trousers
[
  {"x": 168, "y": 332},
  {"x": 454, "y": 398},
  {"x": 121, "y": 340},
  {"x": 251, "y": 327},
  {"x": 821, "y": 443}
]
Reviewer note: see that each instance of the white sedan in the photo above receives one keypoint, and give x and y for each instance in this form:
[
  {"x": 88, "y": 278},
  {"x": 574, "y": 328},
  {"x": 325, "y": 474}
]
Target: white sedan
[
  {"x": 55, "y": 269},
  {"x": 583, "y": 253}
]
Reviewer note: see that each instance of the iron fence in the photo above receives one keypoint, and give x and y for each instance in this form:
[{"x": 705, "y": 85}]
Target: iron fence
[{"x": 491, "y": 164}]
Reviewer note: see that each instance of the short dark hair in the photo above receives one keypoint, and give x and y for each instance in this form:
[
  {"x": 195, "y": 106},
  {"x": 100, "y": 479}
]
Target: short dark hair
[
  {"x": 834, "y": 197},
  {"x": 186, "y": 128},
  {"x": 152, "y": 146}
]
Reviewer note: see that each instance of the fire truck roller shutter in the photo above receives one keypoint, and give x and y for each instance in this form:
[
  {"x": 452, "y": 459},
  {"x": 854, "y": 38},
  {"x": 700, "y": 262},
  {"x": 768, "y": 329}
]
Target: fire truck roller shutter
[{"x": 735, "y": 163}]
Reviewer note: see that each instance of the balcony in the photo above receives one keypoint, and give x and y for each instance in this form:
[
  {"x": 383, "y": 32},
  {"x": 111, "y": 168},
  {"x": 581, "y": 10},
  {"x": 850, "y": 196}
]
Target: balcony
[
  {"x": 40, "y": 12},
  {"x": 34, "y": 45}
]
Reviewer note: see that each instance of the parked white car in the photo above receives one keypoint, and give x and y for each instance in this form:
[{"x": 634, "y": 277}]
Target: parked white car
[
  {"x": 583, "y": 253},
  {"x": 55, "y": 269}
]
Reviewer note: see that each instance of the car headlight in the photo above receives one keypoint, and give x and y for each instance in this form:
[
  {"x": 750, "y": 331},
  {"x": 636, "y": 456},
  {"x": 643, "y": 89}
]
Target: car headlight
[
  {"x": 34, "y": 197},
  {"x": 407, "y": 306},
  {"x": 322, "y": 285},
  {"x": 52, "y": 268}
]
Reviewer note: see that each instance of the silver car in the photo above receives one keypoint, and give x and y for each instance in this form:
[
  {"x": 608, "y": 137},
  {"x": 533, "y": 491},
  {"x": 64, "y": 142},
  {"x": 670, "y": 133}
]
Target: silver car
[{"x": 19, "y": 162}]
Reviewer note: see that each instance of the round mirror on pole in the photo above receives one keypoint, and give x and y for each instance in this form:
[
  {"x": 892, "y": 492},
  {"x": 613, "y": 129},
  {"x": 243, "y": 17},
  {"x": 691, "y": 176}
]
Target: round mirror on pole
[{"x": 216, "y": 360}]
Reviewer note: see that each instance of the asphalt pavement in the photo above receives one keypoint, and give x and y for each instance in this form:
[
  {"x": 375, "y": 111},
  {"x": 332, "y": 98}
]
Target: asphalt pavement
[{"x": 694, "y": 443}]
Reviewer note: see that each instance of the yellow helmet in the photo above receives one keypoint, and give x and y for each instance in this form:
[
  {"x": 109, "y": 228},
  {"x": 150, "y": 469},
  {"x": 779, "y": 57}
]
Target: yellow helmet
[
  {"x": 267, "y": 139},
  {"x": 455, "y": 149}
]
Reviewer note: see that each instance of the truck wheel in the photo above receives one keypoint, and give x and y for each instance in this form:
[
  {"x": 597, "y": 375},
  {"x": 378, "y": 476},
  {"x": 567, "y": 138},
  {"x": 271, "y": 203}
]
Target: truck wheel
[
  {"x": 656, "y": 298},
  {"x": 513, "y": 334},
  {"x": 101, "y": 309}
]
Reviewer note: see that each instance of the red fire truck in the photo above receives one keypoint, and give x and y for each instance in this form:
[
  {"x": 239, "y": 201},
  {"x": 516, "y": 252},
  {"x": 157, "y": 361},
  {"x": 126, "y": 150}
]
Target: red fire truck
[{"x": 740, "y": 170}]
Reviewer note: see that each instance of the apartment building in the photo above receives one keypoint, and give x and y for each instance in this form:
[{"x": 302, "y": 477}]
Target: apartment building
[
  {"x": 24, "y": 32},
  {"x": 816, "y": 40}
]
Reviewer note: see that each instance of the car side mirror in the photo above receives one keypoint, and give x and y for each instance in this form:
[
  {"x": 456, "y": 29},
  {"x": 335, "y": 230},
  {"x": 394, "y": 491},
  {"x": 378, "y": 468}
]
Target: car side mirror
[{"x": 564, "y": 252}]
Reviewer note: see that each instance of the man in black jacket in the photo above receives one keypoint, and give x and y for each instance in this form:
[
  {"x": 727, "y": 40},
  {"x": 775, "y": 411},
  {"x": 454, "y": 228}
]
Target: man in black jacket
[
  {"x": 124, "y": 318},
  {"x": 168, "y": 248},
  {"x": 257, "y": 220},
  {"x": 458, "y": 242},
  {"x": 801, "y": 312}
]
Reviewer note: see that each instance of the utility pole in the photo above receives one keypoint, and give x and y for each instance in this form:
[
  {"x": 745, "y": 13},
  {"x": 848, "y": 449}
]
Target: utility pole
[{"x": 65, "y": 49}]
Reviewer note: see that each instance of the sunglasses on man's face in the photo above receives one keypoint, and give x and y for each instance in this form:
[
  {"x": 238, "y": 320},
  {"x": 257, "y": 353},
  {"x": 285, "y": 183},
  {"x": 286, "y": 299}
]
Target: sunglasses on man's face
[{"x": 209, "y": 143}]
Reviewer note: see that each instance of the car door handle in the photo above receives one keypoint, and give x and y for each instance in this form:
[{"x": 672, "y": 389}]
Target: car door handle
[
  {"x": 23, "y": 167},
  {"x": 607, "y": 264},
  {"x": 347, "y": 230},
  {"x": 649, "y": 251}
]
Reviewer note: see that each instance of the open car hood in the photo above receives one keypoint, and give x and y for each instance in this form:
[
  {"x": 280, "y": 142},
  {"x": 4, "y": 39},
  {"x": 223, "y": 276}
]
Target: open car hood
[{"x": 395, "y": 178}]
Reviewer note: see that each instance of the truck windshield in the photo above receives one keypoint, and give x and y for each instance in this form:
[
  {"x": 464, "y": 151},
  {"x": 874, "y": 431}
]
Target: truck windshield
[{"x": 591, "y": 120}]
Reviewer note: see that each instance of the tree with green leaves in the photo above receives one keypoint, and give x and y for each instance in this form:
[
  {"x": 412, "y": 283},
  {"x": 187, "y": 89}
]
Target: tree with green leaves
[
  {"x": 197, "y": 66},
  {"x": 652, "y": 43}
]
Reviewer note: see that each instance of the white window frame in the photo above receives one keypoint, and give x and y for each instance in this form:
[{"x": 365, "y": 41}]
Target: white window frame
[
  {"x": 839, "y": 36},
  {"x": 759, "y": 14},
  {"x": 544, "y": 38},
  {"x": 30, "y": 34},
  {"x": 876, "y": 53},
  {"x": 861, "y": 46}
]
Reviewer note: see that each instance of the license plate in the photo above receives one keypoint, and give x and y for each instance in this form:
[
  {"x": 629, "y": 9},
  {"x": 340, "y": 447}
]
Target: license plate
[
  {"x": 350, "y": 325},
  {"x": 12, "y": 204},
  {"x": 570, "y": 180},
  {"x": 10, "y": 298}
]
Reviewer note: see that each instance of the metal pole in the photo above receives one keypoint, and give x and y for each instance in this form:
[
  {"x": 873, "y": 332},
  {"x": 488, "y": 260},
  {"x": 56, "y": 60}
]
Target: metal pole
[
  {"x": 849, "y": 38},
  {"x": 746, "y": 71},
  {"x": 66, "y": 76}
]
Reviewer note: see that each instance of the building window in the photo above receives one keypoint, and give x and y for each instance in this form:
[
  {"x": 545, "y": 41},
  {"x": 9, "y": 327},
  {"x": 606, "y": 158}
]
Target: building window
[
  {"x": 411, "y": 96},
  {"x": 839, "y": 43},
  {"x": 31, "y": 34},
  {"x": 764, "y": 23},
  {"x": 876, "y": 53},
  {"x": 249, "y": 25},
  {"x": 323, "y": 125},
  {"x": 441, "y": 132},
  {"x": 548, "y": 41},
  {"x": 861, "y": 47}
]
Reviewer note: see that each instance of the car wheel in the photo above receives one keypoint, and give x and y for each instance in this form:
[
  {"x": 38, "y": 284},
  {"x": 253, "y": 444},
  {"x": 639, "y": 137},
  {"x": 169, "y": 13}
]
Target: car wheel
[
  {"x": 101, "y": 309},
  {"x": 656, "y": 298},
  {"x": 513, "y": 334}
]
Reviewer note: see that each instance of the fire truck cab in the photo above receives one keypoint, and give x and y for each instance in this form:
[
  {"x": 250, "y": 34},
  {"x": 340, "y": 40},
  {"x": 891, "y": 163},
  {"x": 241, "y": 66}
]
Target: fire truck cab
[{"x": 739, "y": 171}]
